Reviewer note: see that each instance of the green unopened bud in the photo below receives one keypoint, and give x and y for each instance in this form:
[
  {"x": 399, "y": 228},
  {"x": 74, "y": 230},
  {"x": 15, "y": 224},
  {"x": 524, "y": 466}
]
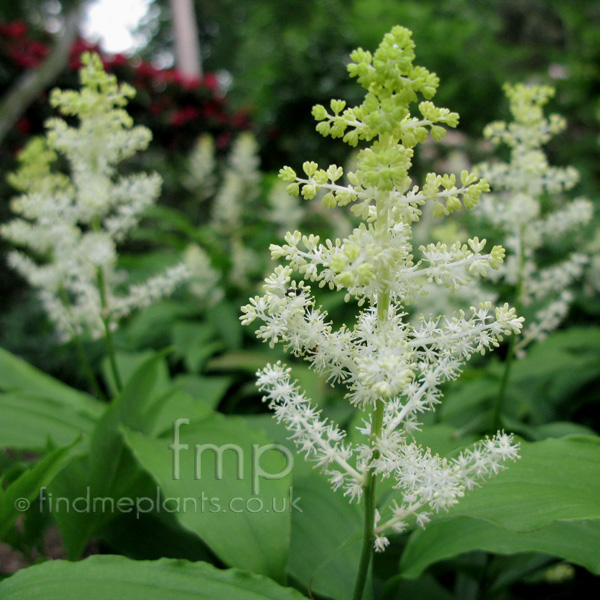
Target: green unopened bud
[
  {"x": 497, "y": 254},
  {"x": 467, "y": 178},
  {"x": 309, "y": 167},
  {"x": 334, "y": 172},
  {"x": 324, "y": 128},
  {"x": 328, "y": 200},
  {"x": 437, "y": 133},
  {"x": 439, "y": 210},
  {"x": 351, "y": 138},
  {"x": 293, "y": 189},
  {"x": 345, "y": 279},
  {"x": 352, "y": 251},
  {"x": 319, "y": 112},
  {"x": 337, "y": 106},
  {"x": 309, "y": 191},
  {"x": 453, "y": 203},
  {"x": 338, "y": 263},
  {"x": 287, "y": 174}
]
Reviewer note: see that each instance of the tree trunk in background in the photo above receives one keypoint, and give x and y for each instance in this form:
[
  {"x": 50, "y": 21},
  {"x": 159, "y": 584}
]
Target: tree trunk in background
[
  {"x": 33, "y": 82},
  {"x": 187, "y": 45}
]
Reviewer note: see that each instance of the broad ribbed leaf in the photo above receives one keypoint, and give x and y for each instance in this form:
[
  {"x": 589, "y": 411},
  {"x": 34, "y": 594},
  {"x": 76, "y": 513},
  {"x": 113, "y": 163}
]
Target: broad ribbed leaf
[
  {"x": 574, "y": 541},
  {"x": 246, "y": 525},
  {"x": 29, "y": 421},
  {"x": 554, "y": 480},
  {"x": 37, "y": 408},
  {"x": 119, "y": 578},
  {"x": 326, "y": 539},
  {"x": 18, "y": 375},
  {"x": 17, "y": 497}
]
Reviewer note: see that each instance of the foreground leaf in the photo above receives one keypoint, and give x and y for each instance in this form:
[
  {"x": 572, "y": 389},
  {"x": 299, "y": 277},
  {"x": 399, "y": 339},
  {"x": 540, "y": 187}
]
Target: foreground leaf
[
  {"x": 554, "y": 480},
  {"x": 119, "y": 578},
  {"x": 326, "y": 539},
  {"x": 16, "y": 374},
  {"x": 574, "y": 541},
  {"x": 244, "y": 519},
  {"x": 93, "y": 486},
  {"x": 36, "y": 408},
  {"x": 30, "y": 420},
  {"x": 18, "y": 496},
  {"x": 96, "y": 485}
]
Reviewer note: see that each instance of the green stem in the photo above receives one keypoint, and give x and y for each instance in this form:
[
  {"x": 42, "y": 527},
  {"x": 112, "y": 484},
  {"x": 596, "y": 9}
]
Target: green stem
[
  {"x": 87, "y": 368},
  {"x": 81, "y": 355},
  {"x": 497, "y": 412},
  {"x": 383, "y": 305},
  {"x": 105, "y": 315},
  {"x": 370, "y": 506},
  {"x": 498, "y": 404}
]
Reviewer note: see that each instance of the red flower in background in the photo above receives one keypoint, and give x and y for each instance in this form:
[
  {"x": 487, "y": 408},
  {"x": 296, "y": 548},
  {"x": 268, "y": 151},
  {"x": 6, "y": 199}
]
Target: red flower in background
[
  {"x": 184, "y": 114},
  {"x": 23, "y": 125},
  {"x": 210, "y": 81},
  {"x": 14, "y": 29},
  {"x": 175, "y": 107}
]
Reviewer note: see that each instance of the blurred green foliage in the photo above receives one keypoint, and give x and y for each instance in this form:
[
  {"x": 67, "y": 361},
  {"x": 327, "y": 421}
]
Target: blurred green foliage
[{"x": 285, "y": 56}]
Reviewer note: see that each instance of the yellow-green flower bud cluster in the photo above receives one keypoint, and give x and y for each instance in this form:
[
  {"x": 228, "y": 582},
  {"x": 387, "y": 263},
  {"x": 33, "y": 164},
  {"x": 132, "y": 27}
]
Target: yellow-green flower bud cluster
[{"x": 442, "y": 189}]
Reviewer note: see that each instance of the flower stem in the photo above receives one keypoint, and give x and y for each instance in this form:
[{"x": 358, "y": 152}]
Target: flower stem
[
  {"x": 81, "y": 355},
  {"x": 108, "y": 334},
  {"x": 383, "y": 306},
  {"x": 87, "y": 368},
  {"x": 497, "y": 410},
  {"x": 370, "y": 506}
]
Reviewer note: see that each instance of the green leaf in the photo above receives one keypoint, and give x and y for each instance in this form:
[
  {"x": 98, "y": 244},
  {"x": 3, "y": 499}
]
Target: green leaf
[
  {"x": 209, "y": 390},
  {"x": 575, "y": 541},
  {"x": 71, "y": 484},
  {"x": 17, "y": 497},
  {"x": 227, "y": 316},
  {"x": 243, "y": 517},
  {"x": 172, "y": 407},
  {"x": 152, "y": 535},
  {"x": 442, "y": 438},
  {"x": 426, "y": 587},
  {"x": 29, "y": 421},
  {"x": 313, "y": 384},
  {"x": 90, "y": 490},
  {"x": 18, "y": 375},
  {"x": 246, "y": 361},
  {"x": 129, "y": 363},
  {"x": 119, "y": 578},
  {"x": 37, "y": 408},
  {"x": 463, "y": 401},
  {"x": 171, "y": 219},
  {"x": 111, "y": 473},
  {"x": 554, "y": 480},
  {"x": 195, "y": 343},
  {"x": 326, "y": 539},
  {"x": 152, "y": 326},
  {"x": 144, "y": 391},
  {"x": 561, "y": 429}
]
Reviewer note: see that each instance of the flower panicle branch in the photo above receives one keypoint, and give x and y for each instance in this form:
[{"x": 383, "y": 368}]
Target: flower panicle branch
[
  {"x": 389, "y": 366},
  {"x": 529, "y": 209},
  {"x": 70, "y": 225}
]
